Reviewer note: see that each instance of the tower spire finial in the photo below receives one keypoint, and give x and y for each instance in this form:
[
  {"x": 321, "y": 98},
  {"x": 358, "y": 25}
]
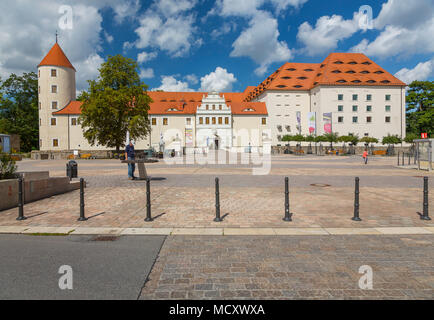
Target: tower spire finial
[{"x": 56, "y": 36}]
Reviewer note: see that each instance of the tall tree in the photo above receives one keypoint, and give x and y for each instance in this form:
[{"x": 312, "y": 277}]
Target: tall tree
[
  {"x": 19, "y": 108},
  {"x": 420, "y": 108},
  {"x": 116, "y": 103}
]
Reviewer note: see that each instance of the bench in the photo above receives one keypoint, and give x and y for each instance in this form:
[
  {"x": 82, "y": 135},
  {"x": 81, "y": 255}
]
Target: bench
[{"x": 379, "y": 152}]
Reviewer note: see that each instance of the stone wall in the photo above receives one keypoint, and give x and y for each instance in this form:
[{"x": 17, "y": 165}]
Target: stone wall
[{"x": 37, "y": 185}]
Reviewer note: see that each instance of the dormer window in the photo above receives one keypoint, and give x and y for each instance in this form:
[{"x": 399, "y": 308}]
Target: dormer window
[
  {"x": 371, "y": 81},
  {"x": 366, "y": 63},
  {"x": 308, "y": 70},
  {"x": 281, "y": 86},
  {"x": 352, "y": 62},
  {"x": 298, "y": 86},
  {"x": 336, "y": 71},
  {"x": 291, "y": 69},
  {"x": 249, "y": 110},
  {"x": 356, "y": 81},
  {"x": 172, "y": 109},
  {"x": 302, "y": 78},
  {"x": 338, "y": 62},
  {"x": 385, "y": 81},
  {"x": 378, "y": 72},
  {"x": 286, "y": 77},
  {"x": 350, "y": 71},
  {"x": 341, "y": 81},
  {"x": 364, "y": 72}
]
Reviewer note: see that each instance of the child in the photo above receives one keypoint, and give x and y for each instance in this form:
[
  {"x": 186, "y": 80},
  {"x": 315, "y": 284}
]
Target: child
[{"x": 365, "y": 156}]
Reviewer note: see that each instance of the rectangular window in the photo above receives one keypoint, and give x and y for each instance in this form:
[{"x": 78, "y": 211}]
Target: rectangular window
[
  {"x": 387, "y": 97},
  {"x": 40, "y": 106},
  {"x": 368, "y": 108},
  {"x": 188, "y": 121},
  {"x": 53, "y": 121},
  {"x": 368, "y": 97},
  {"x": 226, "y": 120},
  {"x": 55, "y": 143},
  {"x": 40, "y": 143},
  {"x": 165, "y": 121},
  {"x": 387, "y": 119},
  {"x": 340, "y": 108},
  {"x": 355, "y": 108},
  {"x": 213, "y": 120},
  {"x": 207, "y": 120},
  {"x": 73, "y": 121},
  {"x": 200, "y": 120},
  {"x": 340, "y": 119},
  {"x": 388, "y": 108},
  {"x": 264, "y": 121},
  {"x": 368, "y": 119},
  {"x": 154, "y": 121},
  {"x": 355, "y": 119},
  {"x": 340, "y": 97},
  {"x": 53, "y": 72},
  {"x": 40, "y": 122},
  {"x": 53, "y": 89},
  {"x": 355, "y": 97},
  {"x": 39, "y": 89},
  {"x": 54, "y": 105},
  {"x": 220, "y": 120}
]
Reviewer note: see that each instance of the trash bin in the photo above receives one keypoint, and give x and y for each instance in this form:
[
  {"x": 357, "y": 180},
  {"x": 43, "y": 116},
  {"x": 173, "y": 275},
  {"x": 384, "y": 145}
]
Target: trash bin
[{"x": 72, "y": 169}]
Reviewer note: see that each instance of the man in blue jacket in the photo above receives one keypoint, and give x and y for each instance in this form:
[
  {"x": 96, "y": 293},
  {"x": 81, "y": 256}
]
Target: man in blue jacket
[{"x": 130, "y": 155}]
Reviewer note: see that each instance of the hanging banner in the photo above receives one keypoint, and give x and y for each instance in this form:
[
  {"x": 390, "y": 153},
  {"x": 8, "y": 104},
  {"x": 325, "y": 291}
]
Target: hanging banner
[
  {"x": 298, "y": 115},
  {"x": 327, "y": 119},
  {"x": 311, "y": 124},
  {"x": 189, "y": 138}
]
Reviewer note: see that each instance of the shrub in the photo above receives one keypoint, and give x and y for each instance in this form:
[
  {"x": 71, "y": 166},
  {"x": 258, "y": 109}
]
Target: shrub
[
  {"x": 369, "y": 140},
  {"x": 410, "y": 137},
  {"x": 389, "y": 139},
  {"x": 7, "y": 166}
]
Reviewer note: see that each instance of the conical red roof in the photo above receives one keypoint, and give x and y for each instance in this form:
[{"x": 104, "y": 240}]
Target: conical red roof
[{"x": 56, "y": 57}]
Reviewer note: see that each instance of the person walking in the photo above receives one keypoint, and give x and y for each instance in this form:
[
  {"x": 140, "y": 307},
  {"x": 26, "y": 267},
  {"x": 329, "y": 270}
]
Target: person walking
[
  {"x": 130, "y": 155},
  {"x": 365, "y": 156}
]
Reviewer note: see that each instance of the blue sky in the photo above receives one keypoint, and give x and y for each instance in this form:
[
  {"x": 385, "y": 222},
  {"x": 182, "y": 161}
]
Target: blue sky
[{"x": 217, "y": 44}]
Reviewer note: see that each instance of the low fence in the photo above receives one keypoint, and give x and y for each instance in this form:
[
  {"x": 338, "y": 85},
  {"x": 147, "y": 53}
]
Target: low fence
[{"x": 288, "y": 216}]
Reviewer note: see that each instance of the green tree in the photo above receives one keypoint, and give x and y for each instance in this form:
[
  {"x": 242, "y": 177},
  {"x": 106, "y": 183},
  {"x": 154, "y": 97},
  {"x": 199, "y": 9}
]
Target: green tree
[
  {"x": 354, "y": 139},
  {"x": 369, "y": 140},
  {"x": 116, "y": 103},
  {"x": 420, "y": 107},
  {"x": 391, "y": 139},
  {"x": 19, "y": 109}
]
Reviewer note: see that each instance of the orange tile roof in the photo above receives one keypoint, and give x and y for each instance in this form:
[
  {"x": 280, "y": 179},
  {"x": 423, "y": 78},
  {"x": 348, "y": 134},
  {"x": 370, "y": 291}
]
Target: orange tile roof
[
  {"x": 183, "y": 103},
  {"x": 74, "y": 107},
  {"x": 56, "y": 57},
  {"x": 337, "y": 69}
]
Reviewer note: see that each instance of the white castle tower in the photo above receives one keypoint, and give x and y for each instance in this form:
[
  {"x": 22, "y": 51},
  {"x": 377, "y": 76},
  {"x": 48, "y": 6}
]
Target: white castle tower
[{"x": 56, "y": 81}]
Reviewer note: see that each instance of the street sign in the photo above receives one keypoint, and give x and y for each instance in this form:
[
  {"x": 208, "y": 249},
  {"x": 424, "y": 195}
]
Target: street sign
[{"x": 424, "y": 135}]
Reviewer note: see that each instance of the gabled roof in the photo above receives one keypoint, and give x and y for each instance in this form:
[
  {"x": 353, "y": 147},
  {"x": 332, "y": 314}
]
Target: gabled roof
[
  {"x": 353, "y": 69},
  {"x": 56, "y": 57}
]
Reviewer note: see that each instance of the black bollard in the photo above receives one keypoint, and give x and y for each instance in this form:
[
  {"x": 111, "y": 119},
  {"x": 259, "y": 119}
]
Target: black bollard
[
  {"x": 21, "y": 200},
  {"x": 398, "y": 158},
  {"x": 425, "y": 215},
  {"x": 356, "y": 202},
  {"x": 148, "y": 200},
  {"x": 217, "y": 201},
  {"x": 403, "y": 159},
  {"x": 288, "y": 215},
  {"x": 82, "y": 217},
  {"x": 409, "y": 157}
]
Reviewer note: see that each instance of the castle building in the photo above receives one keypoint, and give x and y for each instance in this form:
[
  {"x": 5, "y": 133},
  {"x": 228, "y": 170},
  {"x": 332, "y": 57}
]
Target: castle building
[{"x": 346, "y": 94}]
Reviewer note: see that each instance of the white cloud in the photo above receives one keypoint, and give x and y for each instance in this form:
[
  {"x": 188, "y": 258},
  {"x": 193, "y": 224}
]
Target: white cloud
[
  {"x": 421, "y": 72},
  {"x": 406, "y": 29},
  {"x": 226, "y": 28},
  {"x": 249, "y": 8},
  {"x": 27, "y": 32},
  {"x": 143, "y": 57},
  {"x": 220, "y": 80},
  {"x": 146, "y": 73},
  {"x": 125, "y": 9},
  {"x": 260, "y": 42},
  {"x": 192, "y": 78},
  {"x": 109, "y": 38},
  {"x": 170, "y": 84},
  {"x": 326, "y": 34},
  {"x": 167, "y": 26}
]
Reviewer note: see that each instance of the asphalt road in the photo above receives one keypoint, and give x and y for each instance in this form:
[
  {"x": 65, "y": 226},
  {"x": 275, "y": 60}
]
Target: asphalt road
[{"x": 113, "y": 269}]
